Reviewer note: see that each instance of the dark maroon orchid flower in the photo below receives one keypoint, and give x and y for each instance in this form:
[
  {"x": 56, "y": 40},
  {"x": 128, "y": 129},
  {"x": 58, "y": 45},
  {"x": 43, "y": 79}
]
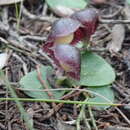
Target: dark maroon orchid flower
[
  {"x": 65, "y": 34},
  {"x": 67, "y": 58},
  {"x": 80, "y": 26},
  {"x": 89, "y": 18},
  {"x": 64, "y": 31}
]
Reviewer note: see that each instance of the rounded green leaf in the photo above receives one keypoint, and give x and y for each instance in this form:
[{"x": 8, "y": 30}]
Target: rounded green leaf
[
  {"x": 95, "y": 71},
  {"x": 128, "y": 1},
  {"x": 80, "y": 4},
  {"x": 104, "y": 95},
  {"x": 33, "y": 88},
  {"x": 66, "y": 7}
]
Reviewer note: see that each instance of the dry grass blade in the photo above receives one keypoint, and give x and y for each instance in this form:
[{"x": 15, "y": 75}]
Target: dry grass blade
[{"x": 7, "y": 2}]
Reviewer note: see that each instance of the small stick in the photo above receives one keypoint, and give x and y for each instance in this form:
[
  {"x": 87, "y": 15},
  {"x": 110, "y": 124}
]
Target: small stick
[
  {"x": 39, "y": 76},
  {"x": 114, "y": 14},
  {"x": 114, "y": 21},
  {"x": 34, "y": 17},
  {"x": 124, "y": 116},
  {"x": 43, "y": 83},
  {"x": 48, "y": 58},
  {"x": 57, "y": 107}
]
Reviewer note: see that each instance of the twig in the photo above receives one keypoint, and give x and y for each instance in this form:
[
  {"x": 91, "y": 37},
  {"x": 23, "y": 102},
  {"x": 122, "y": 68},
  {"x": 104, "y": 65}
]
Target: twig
[
  {"x": 69, "y": 95},
  {"x": 35, "y": 38},
  {"x": 44, "y": 11},
  {"x": 97, "y": 49},
  {"x": 34, "y": 17},
  {"x": 48, "y": 58},
  {"x": 23, "y": 63},
  {"x": 8, "y": 43},
  {"x": 114, "y": 21},
  {"x": 94, "y": 49},
  {"x": 57, "y": 107},
  {"x": 114, "y": 14},
  {"x": 25, "y": 51},
  {"x": 119, "y": 90},
  {"x": 122, "y": 114},
  {"x": 43, "y": 83},
  {"x": 117, "y": 128}
]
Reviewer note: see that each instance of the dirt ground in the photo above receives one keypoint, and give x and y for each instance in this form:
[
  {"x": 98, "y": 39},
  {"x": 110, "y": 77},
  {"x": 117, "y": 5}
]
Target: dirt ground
[{"x": 34, "y": 27}]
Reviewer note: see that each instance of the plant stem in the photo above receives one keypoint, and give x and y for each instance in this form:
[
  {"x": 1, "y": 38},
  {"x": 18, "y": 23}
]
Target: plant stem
[
  {"x": 59, "y": 101},
  {"x": 92, "y": 118},
  {"x": 82, "y": 117}
]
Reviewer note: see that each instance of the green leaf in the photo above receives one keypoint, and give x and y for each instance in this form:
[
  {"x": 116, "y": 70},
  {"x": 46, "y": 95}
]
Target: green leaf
[
  {"x": 107, "y": 95},
  {"x": 95, "y": 71},
  {"x": 128, "y": 1},
  {"x": 62, "y": 7},
  {"x": 80, "y": 4},
  {"x": 31, "y": 83}
]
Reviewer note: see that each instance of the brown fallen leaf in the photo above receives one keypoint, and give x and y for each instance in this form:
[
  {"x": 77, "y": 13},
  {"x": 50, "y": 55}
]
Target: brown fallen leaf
[
  {"x": 7, "y": 2},
  {"x": 118, "y": 35}
]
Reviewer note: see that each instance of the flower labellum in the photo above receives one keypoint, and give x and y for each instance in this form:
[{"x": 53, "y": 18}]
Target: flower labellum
[
  {"x": 65, "y": 39},
  {"x": 89, "y": 18},
  {"x": 68, "y": 58}
]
